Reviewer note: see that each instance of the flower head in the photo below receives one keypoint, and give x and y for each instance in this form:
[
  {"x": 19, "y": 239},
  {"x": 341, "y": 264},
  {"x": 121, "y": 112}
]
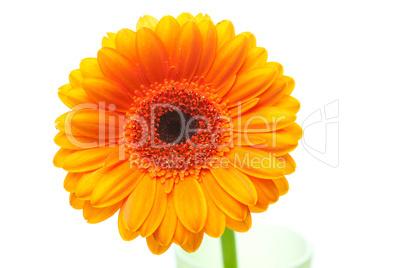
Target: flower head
[{"x": 181, "y": 126}]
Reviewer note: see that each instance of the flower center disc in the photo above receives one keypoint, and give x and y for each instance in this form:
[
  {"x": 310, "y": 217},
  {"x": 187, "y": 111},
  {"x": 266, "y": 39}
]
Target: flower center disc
[{"x": 176, "y": 129}]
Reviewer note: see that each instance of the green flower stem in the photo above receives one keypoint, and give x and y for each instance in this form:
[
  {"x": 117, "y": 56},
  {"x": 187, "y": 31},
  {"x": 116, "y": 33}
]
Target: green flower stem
[{"x": 228, "y": 245}]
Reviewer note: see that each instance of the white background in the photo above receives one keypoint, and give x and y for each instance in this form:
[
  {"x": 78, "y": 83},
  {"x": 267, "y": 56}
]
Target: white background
[{"x": 340, "y": 50}]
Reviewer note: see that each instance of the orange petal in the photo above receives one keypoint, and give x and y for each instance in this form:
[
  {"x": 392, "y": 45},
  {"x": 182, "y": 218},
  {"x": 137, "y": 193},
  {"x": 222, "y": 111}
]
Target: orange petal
[
  {"x": 190, "y": 204},
  {"x": 263, "y": 119},
  {"x": 288, "y": 162},
  {"x": 164, "y": 233},
  {"x": 152, "y": 54},
  {"x": 88, "y": 182},
  {"x": 288, "y": 103},
  {"x": 167, "y": 29},
  {"x": 193, "y": 243},
  {"x": 239, "y": 226},
  {"x": 273, "y": 93},
  {"x": 282, "y": 185},
  {"x": 241, "y": 108},
  {"x": 73, "y": 97},
  {"x": 255, "y": 209},
  {"x": 256, "y": 162},
  {"x": 255, "y": 58},
  {"x": 62, "y": 97},
  {"x": 109, "y": 92},
  {"x": 96, "y": 215},
  {"x": 209, "y": 45},
  {"x": 185, "y": 17},
  {"x": 252, "y": 42},
  {"x": 146, "y": 21},
  {"x": 169, "y": 184},
  {"x": 201, "y": 17},
  {"x": 236, "y": 183},
  {"x": 290, "y": 85},
  {"x": 262, "y": 202},
  {"x": 251, "y": 84},
  {"x": 279, "y": 150},
  {"x": 115, "y": 158},
  {"x": 98, "y": 124},
  {"x": 157, "y": 213},
  {"x": 71, "y": 181},
  {"x": 74, "y": 143},
  {"x": 75, "y": 78},
  {"x": 226, "y": 31},
  {"x": 116, "y": 184},
  {"x": 116, "y": 66},
  {"x": 227, "y": 86},
  {"x": 75, "y": 202},
  {"x": 279, "y": 142},
  {"x": 139, "y": 202},
  {"x": 65, "y": 88},
  {"x": 125, "y": 234},
  {"x": 269, "y": 188},
  {"x": 109, "y": 40},
  {"x": 155, "y": 247},
  {"x": 215, "y": 224},
  {"x": 86, "y": 160},
  {"x": 90, "y": 68},
  {"x": 125, "y": 43},
  {"x": 181, "y": 234},
  {"x": 227, "y": 61},
  {"x": 61, "y": 156},
  {"x": 278, "y": 66},
  {"x": 187, "y": 51},
  {"x": 249, "y": 139},
  {"x": 223, "y": 200}
]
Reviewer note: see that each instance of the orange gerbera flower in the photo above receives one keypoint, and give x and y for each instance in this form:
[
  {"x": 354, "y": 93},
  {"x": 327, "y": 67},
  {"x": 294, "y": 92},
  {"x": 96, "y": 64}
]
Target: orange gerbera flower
[{"x": 181, "y": 126}]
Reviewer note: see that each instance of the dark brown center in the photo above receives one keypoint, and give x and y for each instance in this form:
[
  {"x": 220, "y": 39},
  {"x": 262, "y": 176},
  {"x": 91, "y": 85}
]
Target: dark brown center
[{"x": 176, "y": 127}]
